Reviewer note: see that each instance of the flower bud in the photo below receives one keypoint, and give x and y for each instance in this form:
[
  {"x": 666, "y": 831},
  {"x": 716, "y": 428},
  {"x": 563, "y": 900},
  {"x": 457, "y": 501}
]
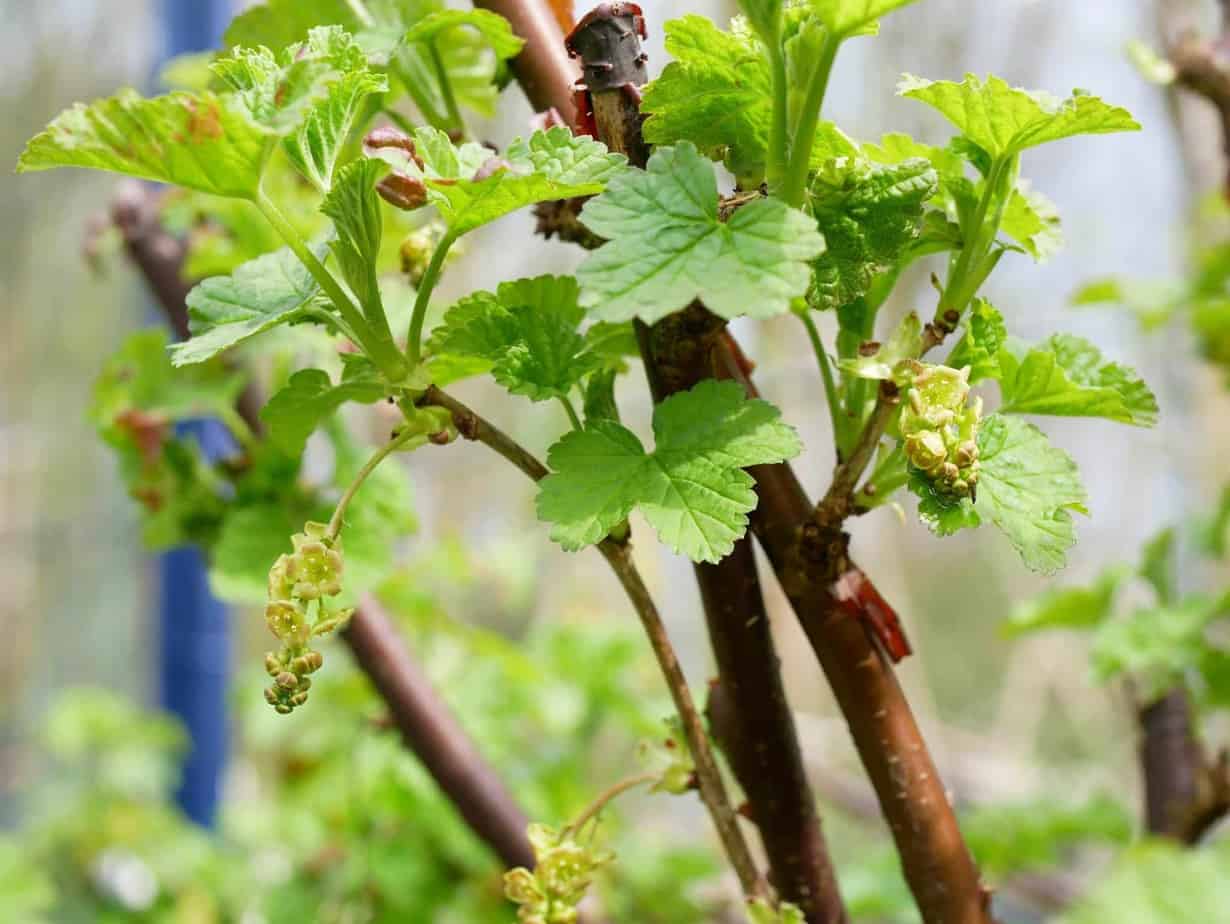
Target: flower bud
[
  {"x": 925, "y": 450},
  {"x": 402, "y": 191},
  {"x": 386, "y": 138}
]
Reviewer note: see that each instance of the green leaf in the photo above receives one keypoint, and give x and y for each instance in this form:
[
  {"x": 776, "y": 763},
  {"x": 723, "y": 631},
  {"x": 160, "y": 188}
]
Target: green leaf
[
  {"x": 1153, "y": 303},
  {"x": 199, "y": 141},
  {"x": 1211, "y": 532},
  {"x": 888, "y": 361},
  {"x": 1159, "y": 883},
  {"x": 317, "y": 144},
  {"x": 869, "y": 214},
  {"x": 493, "y": 28},
  {"x": 600, "y": 396},
  {"x": 527, "y": 331},
  {"x": 278, "y": 23},
  {"x": 1005, "y": 120},
  {"x": 309, "y": 397},
  {"x": 848, "y": 18},
  {"x": 1069, "y": 607},
  {"x": 139, "y": 378},
  {"x": 943, "y": 514},
  {"x": 354, "y": 207},
  {"x": 1158, "y": 562},
  {"x": 1068, "y": 377},
  {"x": 765, "y": 16},
  {"x": 666, "y": 246},
  {"x": 261, "y": 294},
  {"x": 985, "y": 335},
  {"x": 1027, "y": 488},
  {"x": 1034, "y": 835},
  {"x": 1032, "y": 220},
  {"x": 692, "y": 488},
  {"x": 554, "y": 164},
  {"x": 715, "y": 94},
  {"x": 1156, "y": 645}
]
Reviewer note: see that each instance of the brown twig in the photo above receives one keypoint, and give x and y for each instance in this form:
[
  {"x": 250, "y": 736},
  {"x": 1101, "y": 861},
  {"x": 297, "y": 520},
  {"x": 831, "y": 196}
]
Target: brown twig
[
  {"x": 618, "y": 555},
  {"x": 543, "y": 68},
  {"x": 429, "y": 730}
]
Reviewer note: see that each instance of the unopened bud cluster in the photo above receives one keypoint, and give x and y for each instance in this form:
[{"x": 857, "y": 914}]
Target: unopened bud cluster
[
  {"x": 940, "y": 430},
  {"x": 563, "y": 872},
  {"x": 297, "y": 612}
]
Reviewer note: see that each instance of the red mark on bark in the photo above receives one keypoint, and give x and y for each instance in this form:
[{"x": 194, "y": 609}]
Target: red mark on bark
[{"x": 858, "y": 597}]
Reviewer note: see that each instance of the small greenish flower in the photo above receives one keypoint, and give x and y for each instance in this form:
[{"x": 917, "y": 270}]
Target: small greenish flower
[
  {"x": 298, "y": 611},
  {"x": 940, "y": 430},
  {"x": 563, "y": 872},
  {"x": 761, "y": 912}
]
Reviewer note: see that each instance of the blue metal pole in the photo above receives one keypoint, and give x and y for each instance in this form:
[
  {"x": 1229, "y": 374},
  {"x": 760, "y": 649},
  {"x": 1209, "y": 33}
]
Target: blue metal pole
[{"x": 194, "y": 645}]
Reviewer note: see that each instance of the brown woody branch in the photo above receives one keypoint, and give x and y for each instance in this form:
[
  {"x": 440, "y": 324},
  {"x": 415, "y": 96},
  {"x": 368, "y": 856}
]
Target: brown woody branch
[
  {"x": 756, "y": 728},
  {"x": 424, "y": 720},
  {"x": 808, "y": 560}
]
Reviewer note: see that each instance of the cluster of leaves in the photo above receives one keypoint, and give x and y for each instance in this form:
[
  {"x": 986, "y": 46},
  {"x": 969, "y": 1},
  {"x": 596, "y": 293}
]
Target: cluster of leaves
[{"x": 1179, "y": 640}]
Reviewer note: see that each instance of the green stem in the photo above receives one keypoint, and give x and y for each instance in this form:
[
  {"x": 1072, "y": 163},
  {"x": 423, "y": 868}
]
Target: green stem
[
  {"x": 446, "y": 87},
  {"x": 572, "y": 412},
  {"x": 957, "y": 292},
  {"x": 346, "y": 307},
  {"x": 889, "y": 475},
  {"x": 794, "y": 186},
  {"x": 239, "y": 428},
  {"x": 407, "y": 434},
  {"x": 604, "y": 799},
  {"x": 826, "y": 373},
  {"x": 779, "y": 141},
  {"x": 414, "y": 346}
]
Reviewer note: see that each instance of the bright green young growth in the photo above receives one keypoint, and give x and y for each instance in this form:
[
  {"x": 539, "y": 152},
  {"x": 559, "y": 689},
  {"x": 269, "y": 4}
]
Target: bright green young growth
[
  {"x": 528, "y": 334},
  {"x": 691, "y": 488},
  {"x": 1069, "y": 607},
  {"x": 759, "y": 911},
  {"x": 563, "y": 872},
  {"x": 202, "y": 141},
  {"x": 985, "y": 335},
  {"x": 894, "y": 360},
  {"x": 667, "y": 246},
  {"x": 847, "y": 18},
  {"x": 670, "y": 759},
  {"x": 1159, "y": 883},
  {"x": 224, "y": 311},
  {"x": 868, "y": 214},
  {"x": 1004, "y": 120},
  {"x": 470, "y": 186},
  {"x": 310, "y": 397},
  {"x": 1026, "y": 487},
  {"x": 316, "y": 146},
  {"x": 494, "y": 29},
  {"x": 1068, "y": 377},
  {"x": 1032, "y": 220},
  {"x": 717, "y": 94}
]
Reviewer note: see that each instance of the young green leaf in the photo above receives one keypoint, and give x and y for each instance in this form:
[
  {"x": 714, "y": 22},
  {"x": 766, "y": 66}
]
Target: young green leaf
[
  {"x": 888, "y": 361},
  {"x": 200, "y": 141},
  {"x": 1028, "y": 488},
  {"x": 140, "y": 382},
  {"x": 317, "y": 144},
  {"x": 979, "y": 348},
  {"x": 1069, "y": 607},
  {"x": 1158, "y": 883},
  {"x": 1032, "y": 220},
  {"x": 308, "y": 398},
  {"x": 528, "y": 333},
  {"x": 667, "y": 246},
  {"x": 470, "y": 187},
  {"x": 717, "y": 94},
  {"x": 848, "y": 18},
  {"x": 691, "y": 488},
  {"x": 869, "y": 214},
  {"x": 1004, "y": 120},
  {"x": 1156, "y": 646},
  {"x": 1158, "y": 565},
  {"x": 1068, "y": 377},
  {"x": 355, "y": 209},
  {"x": 494, "y": 29},
  {"x": 278, "y": 23},
  {"x": 224, "y": 311}
]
